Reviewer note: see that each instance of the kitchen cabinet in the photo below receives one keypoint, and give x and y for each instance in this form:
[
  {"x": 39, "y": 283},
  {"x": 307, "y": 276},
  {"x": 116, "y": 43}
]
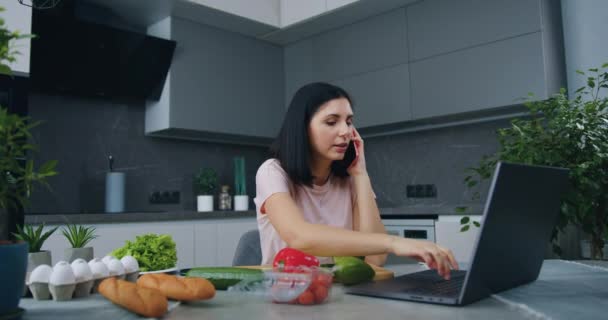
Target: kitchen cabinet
[
  {"x": 380, "y": 97},
  {"x": 372, "y": 44},
  {"x": 198, "y": 242},
  {"x": 448, "y": 235},
  {"x": 334, "y": 4},
  {"x": 18, "y": 17},
  {"x": 368, "y": 59},
  {"x": 294, "y": 11},
  {"x": 205, "y": 244},
  {"x": 298, "y": 68},
  {"x": 264, "y": 11},
  {"x": 479, "y": 78},
  {"x": 229, "y": 233},
  {"x": 442, "y": 26},
  {"x": 477, "y": 57},
  {"x": 112, "y": 236},
  {"x": 212, "y": 93}
]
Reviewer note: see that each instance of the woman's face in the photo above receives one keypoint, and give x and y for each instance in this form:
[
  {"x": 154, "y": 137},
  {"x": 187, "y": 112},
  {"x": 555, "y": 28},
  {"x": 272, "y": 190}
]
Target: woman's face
[{"x": 330, "y": 130}]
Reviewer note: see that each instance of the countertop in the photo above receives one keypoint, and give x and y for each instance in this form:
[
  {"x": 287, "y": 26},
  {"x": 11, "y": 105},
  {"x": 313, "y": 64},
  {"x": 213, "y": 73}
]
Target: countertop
[
  {"x": 123, "y": 217},
  {"x": 557, "y": 279},
  {"x": 421, "y": 211}
]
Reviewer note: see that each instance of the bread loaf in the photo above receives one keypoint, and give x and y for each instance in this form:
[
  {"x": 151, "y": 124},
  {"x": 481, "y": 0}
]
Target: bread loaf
[
  {"x": 178, "y": 288},
  {"x": 144, "y": 301}
]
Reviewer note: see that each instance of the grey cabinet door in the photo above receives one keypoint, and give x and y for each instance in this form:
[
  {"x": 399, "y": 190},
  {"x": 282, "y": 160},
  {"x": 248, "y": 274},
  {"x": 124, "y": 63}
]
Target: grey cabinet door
[
  {"x": 225, "y": 83},
  {"x": 380, "y": 97},
  {"x": 298, "y": 68},
  {"x": 441, "y": 26},
  {"x": 494, "y": 75},
  {"x": 365, "y": 46}
]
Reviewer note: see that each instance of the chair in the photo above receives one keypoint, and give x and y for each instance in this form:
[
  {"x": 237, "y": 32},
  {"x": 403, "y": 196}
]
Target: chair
[{"x": 248, "y": 251}]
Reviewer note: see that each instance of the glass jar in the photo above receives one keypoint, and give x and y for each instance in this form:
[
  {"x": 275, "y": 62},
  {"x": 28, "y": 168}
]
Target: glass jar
[{"x": 225, "y": 202}]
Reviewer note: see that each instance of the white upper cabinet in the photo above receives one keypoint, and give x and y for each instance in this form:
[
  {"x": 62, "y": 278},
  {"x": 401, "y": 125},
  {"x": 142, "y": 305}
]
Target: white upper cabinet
[
  {"x": 293, "y": 11},
  {"x": 265, "y": 11},
  {"x": 18, "y": 17}
]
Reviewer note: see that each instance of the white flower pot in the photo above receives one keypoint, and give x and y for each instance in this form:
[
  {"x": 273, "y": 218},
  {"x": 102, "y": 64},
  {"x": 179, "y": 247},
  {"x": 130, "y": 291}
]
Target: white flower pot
[
  {"x": 204, "y": 203},
  {"x": 241, "y": 203},
  {"x": 586, "y": 249}
]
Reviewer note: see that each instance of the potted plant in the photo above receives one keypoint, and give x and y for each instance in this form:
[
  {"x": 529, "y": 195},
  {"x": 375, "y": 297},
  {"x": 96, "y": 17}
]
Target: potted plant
[
  {"x": 78, "y": 237},
  {"x": 241, "y": 199},
  {"x": 15, "y": 183},
  {"x": 570, "y": 133},
  {"x": 205, "y": 182},
  {"x": 35, "y": 239}
]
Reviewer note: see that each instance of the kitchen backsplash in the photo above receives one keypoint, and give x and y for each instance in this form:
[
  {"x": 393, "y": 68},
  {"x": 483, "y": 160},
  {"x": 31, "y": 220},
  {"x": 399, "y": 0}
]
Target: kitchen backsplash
[
  {"x": 81, "y": 133},
  {"x": 435, "y": 156}
]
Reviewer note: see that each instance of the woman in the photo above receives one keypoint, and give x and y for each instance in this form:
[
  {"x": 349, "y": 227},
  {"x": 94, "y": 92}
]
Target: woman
[{"x": 309, "y": 197}]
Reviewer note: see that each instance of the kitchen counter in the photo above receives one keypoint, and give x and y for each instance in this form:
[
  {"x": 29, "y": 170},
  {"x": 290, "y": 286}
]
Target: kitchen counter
[
  {"x": 134, "y": 217},
  {"x": 433, "y": 209},
  {"x": 422, "y": 211},
  {"x": 550, "y": 297}
]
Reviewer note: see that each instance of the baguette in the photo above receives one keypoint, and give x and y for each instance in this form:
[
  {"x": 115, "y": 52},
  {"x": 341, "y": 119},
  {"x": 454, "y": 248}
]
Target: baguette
[
  {"x": 178, "y": 288},
  {"x": 144, "y": 301}
]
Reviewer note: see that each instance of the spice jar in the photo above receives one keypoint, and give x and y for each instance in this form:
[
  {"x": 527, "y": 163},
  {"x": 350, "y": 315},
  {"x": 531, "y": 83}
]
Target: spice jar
[{"x": 225, "y": 202}]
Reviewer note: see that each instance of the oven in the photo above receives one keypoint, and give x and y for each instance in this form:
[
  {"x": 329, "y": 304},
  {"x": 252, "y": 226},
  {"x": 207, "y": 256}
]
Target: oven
[{"x": 411, "y": 227}]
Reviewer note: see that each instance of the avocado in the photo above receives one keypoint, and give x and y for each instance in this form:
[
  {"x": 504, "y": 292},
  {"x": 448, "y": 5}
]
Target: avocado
[{"x": 352, "y": 270}]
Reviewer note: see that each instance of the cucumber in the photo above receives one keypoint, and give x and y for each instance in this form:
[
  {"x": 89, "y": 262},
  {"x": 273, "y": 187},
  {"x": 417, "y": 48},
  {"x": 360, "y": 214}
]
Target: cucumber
[{"x": 224, "y": 277}]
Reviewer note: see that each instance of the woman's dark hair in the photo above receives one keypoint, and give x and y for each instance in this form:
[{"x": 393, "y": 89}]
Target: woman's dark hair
[{"x": 291, "y": 146}]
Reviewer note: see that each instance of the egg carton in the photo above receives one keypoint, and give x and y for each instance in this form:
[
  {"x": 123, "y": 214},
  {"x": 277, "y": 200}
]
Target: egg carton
[{"x": 65, "y": 281}]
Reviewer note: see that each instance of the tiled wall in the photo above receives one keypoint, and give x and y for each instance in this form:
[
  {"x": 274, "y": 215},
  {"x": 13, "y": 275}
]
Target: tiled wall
[{"x": 81, "y": 132}]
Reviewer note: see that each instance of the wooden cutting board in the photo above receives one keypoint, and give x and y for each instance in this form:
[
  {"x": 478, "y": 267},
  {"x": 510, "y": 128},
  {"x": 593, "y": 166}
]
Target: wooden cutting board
[{"x": 381, "y": 273}]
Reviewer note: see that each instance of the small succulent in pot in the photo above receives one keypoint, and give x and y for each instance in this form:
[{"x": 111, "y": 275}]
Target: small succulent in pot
[
  {"x": 35, "y": 238},
  {"x": 79, "y": 237}
]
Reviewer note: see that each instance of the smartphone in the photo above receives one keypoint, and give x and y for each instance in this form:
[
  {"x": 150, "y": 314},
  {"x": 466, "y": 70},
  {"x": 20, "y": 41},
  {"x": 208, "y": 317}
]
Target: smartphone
[{"x": 349, "y": 156}]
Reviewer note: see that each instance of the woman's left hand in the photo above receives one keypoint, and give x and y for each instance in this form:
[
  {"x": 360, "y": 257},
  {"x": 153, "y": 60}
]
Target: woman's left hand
[{"x": 357, "y": 167}]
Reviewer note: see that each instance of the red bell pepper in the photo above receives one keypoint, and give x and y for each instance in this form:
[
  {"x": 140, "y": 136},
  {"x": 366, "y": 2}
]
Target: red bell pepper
[{"x": 290, "y": 259}]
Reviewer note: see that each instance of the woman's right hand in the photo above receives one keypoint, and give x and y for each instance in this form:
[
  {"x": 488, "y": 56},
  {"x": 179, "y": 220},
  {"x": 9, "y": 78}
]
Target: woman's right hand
[{"x": 435, "y": 256}]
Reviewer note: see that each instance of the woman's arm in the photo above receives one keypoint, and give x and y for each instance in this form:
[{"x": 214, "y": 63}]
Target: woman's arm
[
  {"x": 323, "y": 240},
  {"x": 366, "y": 216}
]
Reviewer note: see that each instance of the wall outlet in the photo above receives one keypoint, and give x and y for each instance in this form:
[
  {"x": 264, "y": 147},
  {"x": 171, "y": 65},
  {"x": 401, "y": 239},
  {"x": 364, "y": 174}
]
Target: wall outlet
[
  {"x": 164, "y": 197},
  {"x": 421, "y": 191}
]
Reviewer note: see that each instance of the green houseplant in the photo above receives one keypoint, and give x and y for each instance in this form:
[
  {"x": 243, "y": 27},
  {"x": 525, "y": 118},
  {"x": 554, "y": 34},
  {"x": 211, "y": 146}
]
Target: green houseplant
[
  {"x": 15, "y": 183},
  {"x": 35, "y": 238},
  {"x": 241, "y": 199},
  {"x": 205, "y": 183},
  {"x": 570, "y": 133},
  {"x": 16, "y": 179},
  {"x": 78, "y": 237}
]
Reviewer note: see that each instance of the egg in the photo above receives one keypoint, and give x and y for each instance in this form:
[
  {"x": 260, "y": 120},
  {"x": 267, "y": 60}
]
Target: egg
[
  {"x": 82, "y": 271},
  {"x": 107, "y": 259},
  {"x": 41, "y": 273},
  {"x": 130, "y": 264},
  {"x": 99, "y": 269},
  {"x": 62, "y": 274},
  {"x": 116, "y": 268}
]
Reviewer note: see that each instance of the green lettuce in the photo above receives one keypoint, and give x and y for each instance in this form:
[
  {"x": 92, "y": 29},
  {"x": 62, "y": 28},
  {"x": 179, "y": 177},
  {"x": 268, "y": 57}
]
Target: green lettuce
[{"x": 152, "y": 252}]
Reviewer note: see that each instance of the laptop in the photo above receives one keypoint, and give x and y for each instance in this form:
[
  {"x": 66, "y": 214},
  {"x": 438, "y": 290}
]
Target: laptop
[{"x": 521, "y": 209}]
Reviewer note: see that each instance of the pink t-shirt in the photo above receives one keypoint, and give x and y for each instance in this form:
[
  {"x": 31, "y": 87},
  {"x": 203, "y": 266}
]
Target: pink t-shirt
[{"x": 329, "y": 204}]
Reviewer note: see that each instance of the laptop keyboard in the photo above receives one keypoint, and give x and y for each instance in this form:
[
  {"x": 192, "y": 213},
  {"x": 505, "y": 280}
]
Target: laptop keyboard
[{"x": 430, "y": 283}]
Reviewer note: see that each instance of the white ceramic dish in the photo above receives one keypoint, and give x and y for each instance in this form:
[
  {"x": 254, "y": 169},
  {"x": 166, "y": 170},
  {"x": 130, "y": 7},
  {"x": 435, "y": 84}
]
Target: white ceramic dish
[{"x": 170, "y": 270}]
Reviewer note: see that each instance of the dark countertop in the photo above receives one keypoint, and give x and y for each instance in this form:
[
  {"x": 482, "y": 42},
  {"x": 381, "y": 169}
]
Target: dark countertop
[
  {"x": 434, "y": 209},
  {"x": 123, "y": 217},
  {"x": 418, "y": 211}
]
